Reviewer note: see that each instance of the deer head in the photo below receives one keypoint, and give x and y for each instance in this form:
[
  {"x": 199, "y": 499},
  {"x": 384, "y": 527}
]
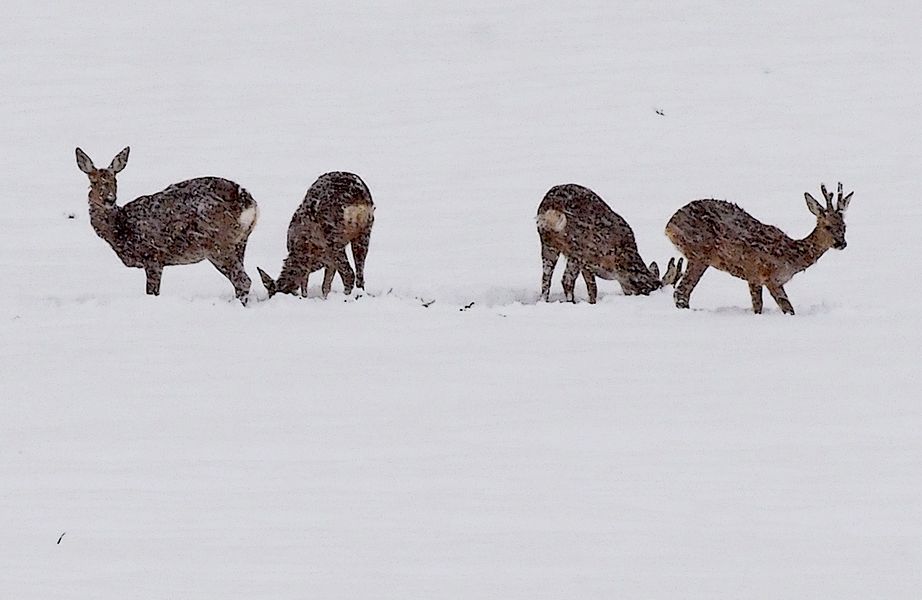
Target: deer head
[
  {"x": 103, "y": 187},
  {"x": 830, "y": 221}
]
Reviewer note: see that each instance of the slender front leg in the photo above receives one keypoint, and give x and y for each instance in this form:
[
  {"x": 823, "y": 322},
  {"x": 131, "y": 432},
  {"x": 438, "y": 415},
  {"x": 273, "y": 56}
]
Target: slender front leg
[
  {"x": 570, "y": 273},
  {"x": 689, "y": 281},
  {"x": 755, "y": 290},
  {"x": 781, "y": 297},
  {"x": 549, "y": 258},
  {"x": 591, "y": 287},
  {"x": 153, "y": 273}
]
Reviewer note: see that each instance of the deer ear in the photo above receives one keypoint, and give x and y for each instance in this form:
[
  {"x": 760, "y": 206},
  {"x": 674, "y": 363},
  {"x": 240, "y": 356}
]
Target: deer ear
[
  {"x": 121, "y": 159},
  {"x": 842, "y": 205},
  {"x": 813, "y": 205},
  {"x": 654, "y": 270},
  {"x": 268, "y": 282},
  {"x": 83, "y": 162}
]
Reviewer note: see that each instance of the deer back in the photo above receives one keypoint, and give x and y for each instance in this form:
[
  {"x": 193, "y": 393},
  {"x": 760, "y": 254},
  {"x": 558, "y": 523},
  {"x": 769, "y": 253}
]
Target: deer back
[
  {"x": 336, "y": 210},
  {"x": 723, "y": 235},
  {"x": 186, "y": 222}
]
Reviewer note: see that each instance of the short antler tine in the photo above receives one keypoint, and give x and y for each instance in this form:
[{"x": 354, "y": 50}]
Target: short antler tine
[
  {"x": 839, "y": 197},
  {"x": 827, "y": 195}
]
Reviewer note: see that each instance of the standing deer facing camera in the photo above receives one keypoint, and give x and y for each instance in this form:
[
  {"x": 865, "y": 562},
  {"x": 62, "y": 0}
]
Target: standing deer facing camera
[
  {"x": 190, "y": 221},
  {"x": 597, "y": 242},
  {"x": 337, "y": 211},
  {"x": 719, "y": 234}
]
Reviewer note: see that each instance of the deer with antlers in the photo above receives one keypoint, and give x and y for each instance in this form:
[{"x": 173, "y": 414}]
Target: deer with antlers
[{"x": 720, "y": 234}]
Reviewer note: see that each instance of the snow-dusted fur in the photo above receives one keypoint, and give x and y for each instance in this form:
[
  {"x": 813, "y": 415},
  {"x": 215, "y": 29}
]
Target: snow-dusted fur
[
  {"x": 719, "y": 234},
  {"x": 574, "y": 221},
  {"x": 337, "y": 211},
  {"x": 190, "y": 221}
]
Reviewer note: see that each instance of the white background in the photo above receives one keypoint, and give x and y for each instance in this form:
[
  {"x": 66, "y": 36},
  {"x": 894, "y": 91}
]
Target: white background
[{"x": 373, "y": 448}]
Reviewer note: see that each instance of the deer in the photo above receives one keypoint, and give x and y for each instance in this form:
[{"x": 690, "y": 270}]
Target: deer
[
  {"x": 574, "y": 221},
  {"x": 190, "y": 221},
  {"x": 337, "y": 211},
  {"x": 720, "y": 234}
]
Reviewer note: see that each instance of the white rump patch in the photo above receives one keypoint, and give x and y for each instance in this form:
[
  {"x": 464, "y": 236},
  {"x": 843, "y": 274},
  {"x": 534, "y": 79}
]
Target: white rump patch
[
  {"x": 248, "y": 217},
  {"x": 553, "y": 220},
  {"x": 357, "y": 214}
]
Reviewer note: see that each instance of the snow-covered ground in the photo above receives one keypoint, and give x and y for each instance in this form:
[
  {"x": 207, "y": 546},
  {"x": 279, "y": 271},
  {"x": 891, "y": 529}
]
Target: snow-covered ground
[{"x": 375, "y": 448}]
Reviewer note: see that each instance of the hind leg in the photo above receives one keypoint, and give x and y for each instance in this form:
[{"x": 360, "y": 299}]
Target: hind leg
[
  {"x": 341, "y": 262},
  {"x": 232, "y": 268},
  {"x": 755, "y": 292},
  {"x": 591, "y": 287},
  {"x": 327, "y": 285},
  {"x": 549, "y": 258},
  {"x": 570, "y": 273},
  {"x": 359, "y": 252},
  {"x": 689, "y": 281}
]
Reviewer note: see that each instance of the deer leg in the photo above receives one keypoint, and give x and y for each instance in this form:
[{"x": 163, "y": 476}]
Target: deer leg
[
  {"x": 303, "y": 285},
  {"x": 591, "y": 287},
  {"x": 548, "y": 262},
  {"x": 570, "y": 273},
  {"x": 232, "y": 268},
  {"x": 345, "y": 270},
  {"x": 153, "y": 273},
  {"x": 328, "y": 274},
  {"x": 781, "y": 297},
  {"x": 689, "y": 281},
  {"x": 359, "y": 252},
  {"x": 755, "y": 290}
]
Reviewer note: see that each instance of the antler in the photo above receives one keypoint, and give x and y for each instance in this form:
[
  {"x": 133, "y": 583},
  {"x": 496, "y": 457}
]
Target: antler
[
  {"x": 673, "y": 272},
  {"x": 828, "y": 195},
  {"x": 842, "y": 203}
]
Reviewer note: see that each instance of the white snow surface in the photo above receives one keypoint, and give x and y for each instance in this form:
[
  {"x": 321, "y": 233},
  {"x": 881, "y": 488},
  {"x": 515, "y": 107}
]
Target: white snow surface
[{"x": 375, "y": 448}]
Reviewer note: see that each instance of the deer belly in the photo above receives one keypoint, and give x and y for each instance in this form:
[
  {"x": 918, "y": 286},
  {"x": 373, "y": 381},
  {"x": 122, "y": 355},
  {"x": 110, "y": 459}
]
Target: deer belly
[{"x": 739, "y": 262}]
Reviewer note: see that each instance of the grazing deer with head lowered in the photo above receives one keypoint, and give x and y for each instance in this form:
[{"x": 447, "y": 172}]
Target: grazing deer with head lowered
[
  {"x": 337, "y": 211},
  {"x": 190, "y": 221},
  {"x": 597, "y": 242},
  {"x": 719, "y": 234}
]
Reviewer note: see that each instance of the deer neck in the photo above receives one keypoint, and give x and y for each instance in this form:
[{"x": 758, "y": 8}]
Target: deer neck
[
  {"x": 105, "y": 217},
  {"x": 810, "y": 249}
]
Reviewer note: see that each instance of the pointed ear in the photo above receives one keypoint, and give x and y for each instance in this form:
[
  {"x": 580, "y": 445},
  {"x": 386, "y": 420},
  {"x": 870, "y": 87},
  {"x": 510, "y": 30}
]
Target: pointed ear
[
  {"x": 842, "y": 205},
  {"x": 654, "y": 270},
  {"x": 673, "y": 272},
  {"x": 83, "y": 162},
  {"x": 813, "y": 205},
  {"x": 121, "y": 159},
  {"x": 267, "y": 282}
]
